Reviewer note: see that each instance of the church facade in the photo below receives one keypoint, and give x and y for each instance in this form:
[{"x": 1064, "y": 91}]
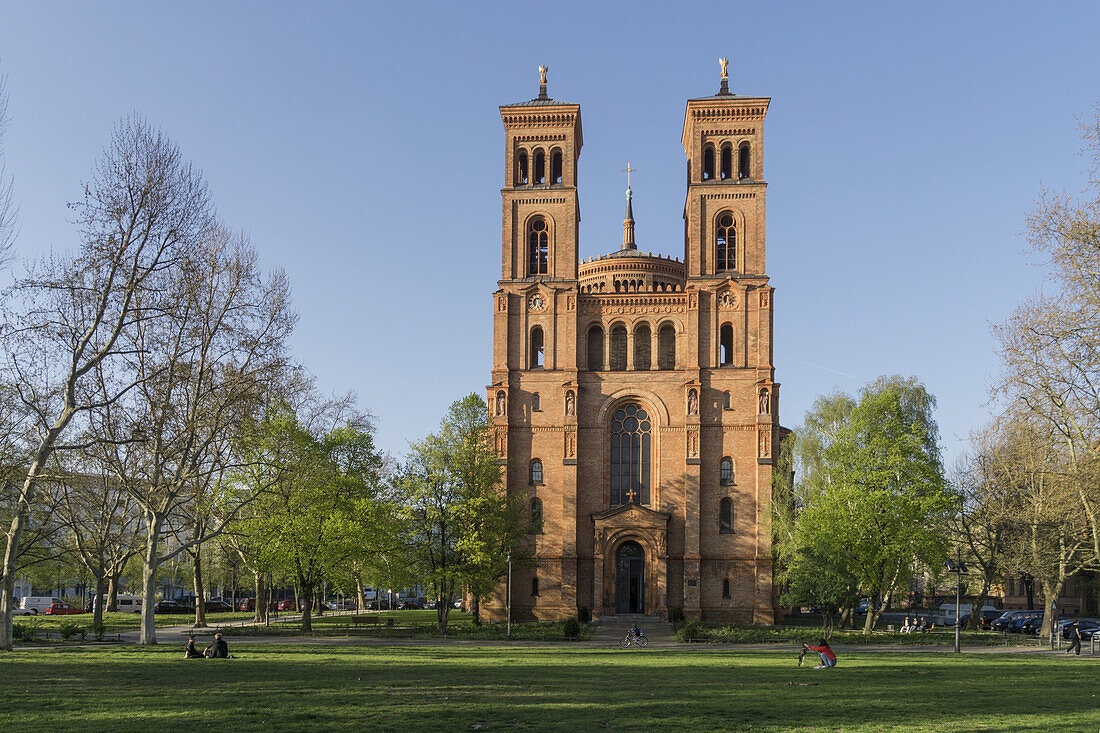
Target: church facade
[{"x": 633, "y": 398}]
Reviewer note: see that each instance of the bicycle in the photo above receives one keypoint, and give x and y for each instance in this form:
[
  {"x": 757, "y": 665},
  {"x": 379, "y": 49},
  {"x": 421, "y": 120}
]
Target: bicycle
[{"x": 636, "y": 639}]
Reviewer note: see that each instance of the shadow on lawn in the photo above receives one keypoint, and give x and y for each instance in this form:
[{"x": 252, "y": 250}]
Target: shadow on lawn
[{"x": 445, "y": 687}]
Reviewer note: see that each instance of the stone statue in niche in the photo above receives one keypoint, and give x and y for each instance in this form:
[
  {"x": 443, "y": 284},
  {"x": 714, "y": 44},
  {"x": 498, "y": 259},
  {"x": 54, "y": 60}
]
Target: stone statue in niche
[
  {"x": 502, "y": 442},
  {"x": 501, "y": 404},
  {"x": 765, "y": 403},
  {"x": 570, "y": 403},
  {"x": 661, "y": 543},
  {"x": 693, "y": 444},
  {"x": 502, "y": 304},
  {"x": 764, "y": 299},
  {"x": 570, "y": 444},
  {"x": 764, "y": 445},
  {"x": 693, "y": 402}
]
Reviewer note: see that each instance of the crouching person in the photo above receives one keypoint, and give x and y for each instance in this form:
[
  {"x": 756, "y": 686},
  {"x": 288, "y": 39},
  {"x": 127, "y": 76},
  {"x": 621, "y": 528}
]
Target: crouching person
[
  {"x": 189, "y": 651},
  {"x": 828, "y": 656}
]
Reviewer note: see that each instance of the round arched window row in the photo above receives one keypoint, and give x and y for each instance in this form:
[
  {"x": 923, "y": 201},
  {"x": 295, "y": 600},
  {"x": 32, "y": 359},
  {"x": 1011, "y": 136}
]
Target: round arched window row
[
  {"x": 538, "y": 247},
  {"x": 631, "y": 448},
  {"x": 725, "y": 243},
  {"x": 536, "y": 471}
]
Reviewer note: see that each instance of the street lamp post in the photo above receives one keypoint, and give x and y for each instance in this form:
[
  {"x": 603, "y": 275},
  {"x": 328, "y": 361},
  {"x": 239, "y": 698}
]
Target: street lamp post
[
  {"x": 509, "y": 595},
  {"x": 958, "y": 567}
]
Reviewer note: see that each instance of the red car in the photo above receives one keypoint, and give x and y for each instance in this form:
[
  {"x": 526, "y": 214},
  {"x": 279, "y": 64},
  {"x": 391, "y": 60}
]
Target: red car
[
  {"x": 286, "y": 605},
  {"x": 61, "y": 609}
]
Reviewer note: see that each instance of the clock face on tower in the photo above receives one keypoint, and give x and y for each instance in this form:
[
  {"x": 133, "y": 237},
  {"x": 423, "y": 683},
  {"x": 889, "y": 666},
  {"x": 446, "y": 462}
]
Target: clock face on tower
[{"x": 537, "y": 302}]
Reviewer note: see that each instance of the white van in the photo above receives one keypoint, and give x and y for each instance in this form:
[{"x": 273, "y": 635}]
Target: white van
[
  {"x": 128, "y": 604},
  {"x": 38, "y": 604}
]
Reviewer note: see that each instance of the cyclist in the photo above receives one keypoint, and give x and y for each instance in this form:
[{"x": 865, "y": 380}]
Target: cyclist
[{"x": 635, "y": 631}]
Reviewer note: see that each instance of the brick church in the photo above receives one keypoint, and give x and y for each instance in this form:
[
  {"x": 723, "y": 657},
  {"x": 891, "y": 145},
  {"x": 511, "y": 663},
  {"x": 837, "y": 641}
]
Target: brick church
[{"x": 633, "y": 394}]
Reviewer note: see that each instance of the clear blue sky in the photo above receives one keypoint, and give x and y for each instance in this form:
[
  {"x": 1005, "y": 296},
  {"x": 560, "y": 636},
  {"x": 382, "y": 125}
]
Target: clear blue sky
[{"x": 361, "y": 146}]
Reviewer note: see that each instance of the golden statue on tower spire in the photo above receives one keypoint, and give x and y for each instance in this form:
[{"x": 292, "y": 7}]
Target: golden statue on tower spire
[
  {"x": 724, "y": 63},
  {"x": 542, "y": 74}
]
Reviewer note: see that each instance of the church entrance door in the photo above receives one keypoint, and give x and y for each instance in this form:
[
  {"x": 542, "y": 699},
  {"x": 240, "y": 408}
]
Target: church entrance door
[{"x": 630, "y": 578}]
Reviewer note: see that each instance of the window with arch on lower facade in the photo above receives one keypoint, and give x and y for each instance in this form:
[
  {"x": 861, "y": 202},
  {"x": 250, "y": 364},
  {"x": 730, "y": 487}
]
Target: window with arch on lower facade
[
  {"x": 642, "y": 348},
  {"x": 725, "y": 243},
  {"x": 727, "y": 404},
  {"x": 725, "y": 587},
  {"x": 595, "y": 349},
  {"x": 536, "y": 471},
  {"x": 725, "y": 471},
  {"x": 631, "y": 448},
  {"x": 538, "y": 356},
  {"x": 725, "y": 516},
  {"x": 536, "y": 402},
  {"x": 725, "y": 345},
  {"x": 536, "y": 515},
  {"x": 535, "y": 586},
  {"x": 538, "y": 246},
  {"x": 618, "y": 348},
  {"x": 666, "y": 347}
]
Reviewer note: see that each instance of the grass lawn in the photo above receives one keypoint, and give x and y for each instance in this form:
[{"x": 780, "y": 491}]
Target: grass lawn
[
  {"x": 273, "y": 687},
  {"x": 417, "y": 624}
]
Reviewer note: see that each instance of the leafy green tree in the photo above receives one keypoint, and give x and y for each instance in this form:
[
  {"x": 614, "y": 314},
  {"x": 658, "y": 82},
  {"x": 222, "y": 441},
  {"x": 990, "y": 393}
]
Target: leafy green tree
[{"x": 870, "y": 503}]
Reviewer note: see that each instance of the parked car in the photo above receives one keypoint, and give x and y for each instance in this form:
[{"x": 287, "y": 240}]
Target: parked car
[
  {"x": 1008, "y": 619},
  {"x": 407, "y": 604},
  {"x": 287, "y": 604},
  {"x": 62, "y": 609},
  {"x": 1085, "y": 624},
  {"x": 20, "y": 611},
  {"x": 216, "y": 605},
  {"x": 172, "y": 607},
  {"x": 1031, "y": 624}
]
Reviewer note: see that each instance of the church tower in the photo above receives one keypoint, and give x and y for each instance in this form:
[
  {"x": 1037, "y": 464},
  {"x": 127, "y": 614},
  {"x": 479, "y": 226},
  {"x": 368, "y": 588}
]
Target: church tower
[{"x": 633, "y": 404}]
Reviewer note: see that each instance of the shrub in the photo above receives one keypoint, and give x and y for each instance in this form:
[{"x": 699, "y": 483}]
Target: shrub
[
  {"x": 676, "y": 616},
  {"x": 68, "y": 629},
  {"x": 98, "y": 629},
  {"x": 584, "y": 614},
  {"x": 27, "y": 631},
  {"x": 692, "y": 631},
  {"x": 571, "y": 628}
]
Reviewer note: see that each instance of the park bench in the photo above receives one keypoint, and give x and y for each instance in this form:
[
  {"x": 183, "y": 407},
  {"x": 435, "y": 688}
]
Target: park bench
[{"x": 363, "y": 620}]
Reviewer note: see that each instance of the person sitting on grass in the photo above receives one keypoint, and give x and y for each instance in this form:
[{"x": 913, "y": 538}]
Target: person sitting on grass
[
  {"x": 906, "y": 627},
  {"x": 218, "y": 649},
  {"x": 189, "y": 651},
  {"x": 828, "y": 656},
  {"x": 928, "y": 625}
]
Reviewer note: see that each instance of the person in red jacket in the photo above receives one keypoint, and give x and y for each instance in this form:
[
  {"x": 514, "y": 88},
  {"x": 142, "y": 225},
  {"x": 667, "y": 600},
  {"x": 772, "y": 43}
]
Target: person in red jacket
[{"x": 828, "y": 656}]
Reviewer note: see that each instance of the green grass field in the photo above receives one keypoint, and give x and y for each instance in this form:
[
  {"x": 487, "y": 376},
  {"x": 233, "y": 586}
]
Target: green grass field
[
  {"x": 272, "y": 687},
  {"x": 129, "y": 621}
]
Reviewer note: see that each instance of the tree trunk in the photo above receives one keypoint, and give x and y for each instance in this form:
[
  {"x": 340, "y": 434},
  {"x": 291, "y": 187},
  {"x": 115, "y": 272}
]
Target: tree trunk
[
  {"x": 260, "y": 605},
  {"x": 475, "y": 610},
  {"x": 360, "y": 603},
  {"x": 149, "y": 564},
  {"x": 97, "y": 601},
  {"x": 306, "y": 604},
  {"x": 1029, "y": 591},
  {"x": 112, "y": 590},
  {"x": 200, "y": 605}
]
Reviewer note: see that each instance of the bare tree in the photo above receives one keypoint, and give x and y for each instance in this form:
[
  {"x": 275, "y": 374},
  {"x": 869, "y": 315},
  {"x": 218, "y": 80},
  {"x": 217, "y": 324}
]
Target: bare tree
[
  {"x": 9, "y": 211},
  {"x": 65, "y": 320},
  {"x": 200, "y": 371},
  {"x": 104, "y": 527}
]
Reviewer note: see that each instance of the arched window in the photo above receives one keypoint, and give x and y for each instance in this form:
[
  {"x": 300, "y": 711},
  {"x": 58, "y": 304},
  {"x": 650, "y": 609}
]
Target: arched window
[
  {"x": 708, "y": 163},
  {"x": 743, "y": 161},
  {"x": 538, "y": 246},
  {"x": 726, "y": 471},
  {"x": 725, "y": 243},
  {"x": 725, "y": 587},
  {"x": 536, "y": 402},
  {"x": 534, "y": 586},
  {"x": 726, "y": 345},
  {"x": 642, "y": 348},
  {"x": 595, "y": 349},
  {"x": 631, "y": 429},
  {"x": 540, "y": 167},
  {"x": 555, "y": 167},
  {"x": 536, "y": 515},
  {"x": 521, "y": 168},
  {"x": 536, "y": 470},
  {"x": 725, "y": 515},
  {"x": 726, "y": 404},
  {"x": 618, "y": 348},
  {"x": 666, "y": 347},
  {"x": 727, "y": 163},
  {"x": 537, "y": 349}
]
